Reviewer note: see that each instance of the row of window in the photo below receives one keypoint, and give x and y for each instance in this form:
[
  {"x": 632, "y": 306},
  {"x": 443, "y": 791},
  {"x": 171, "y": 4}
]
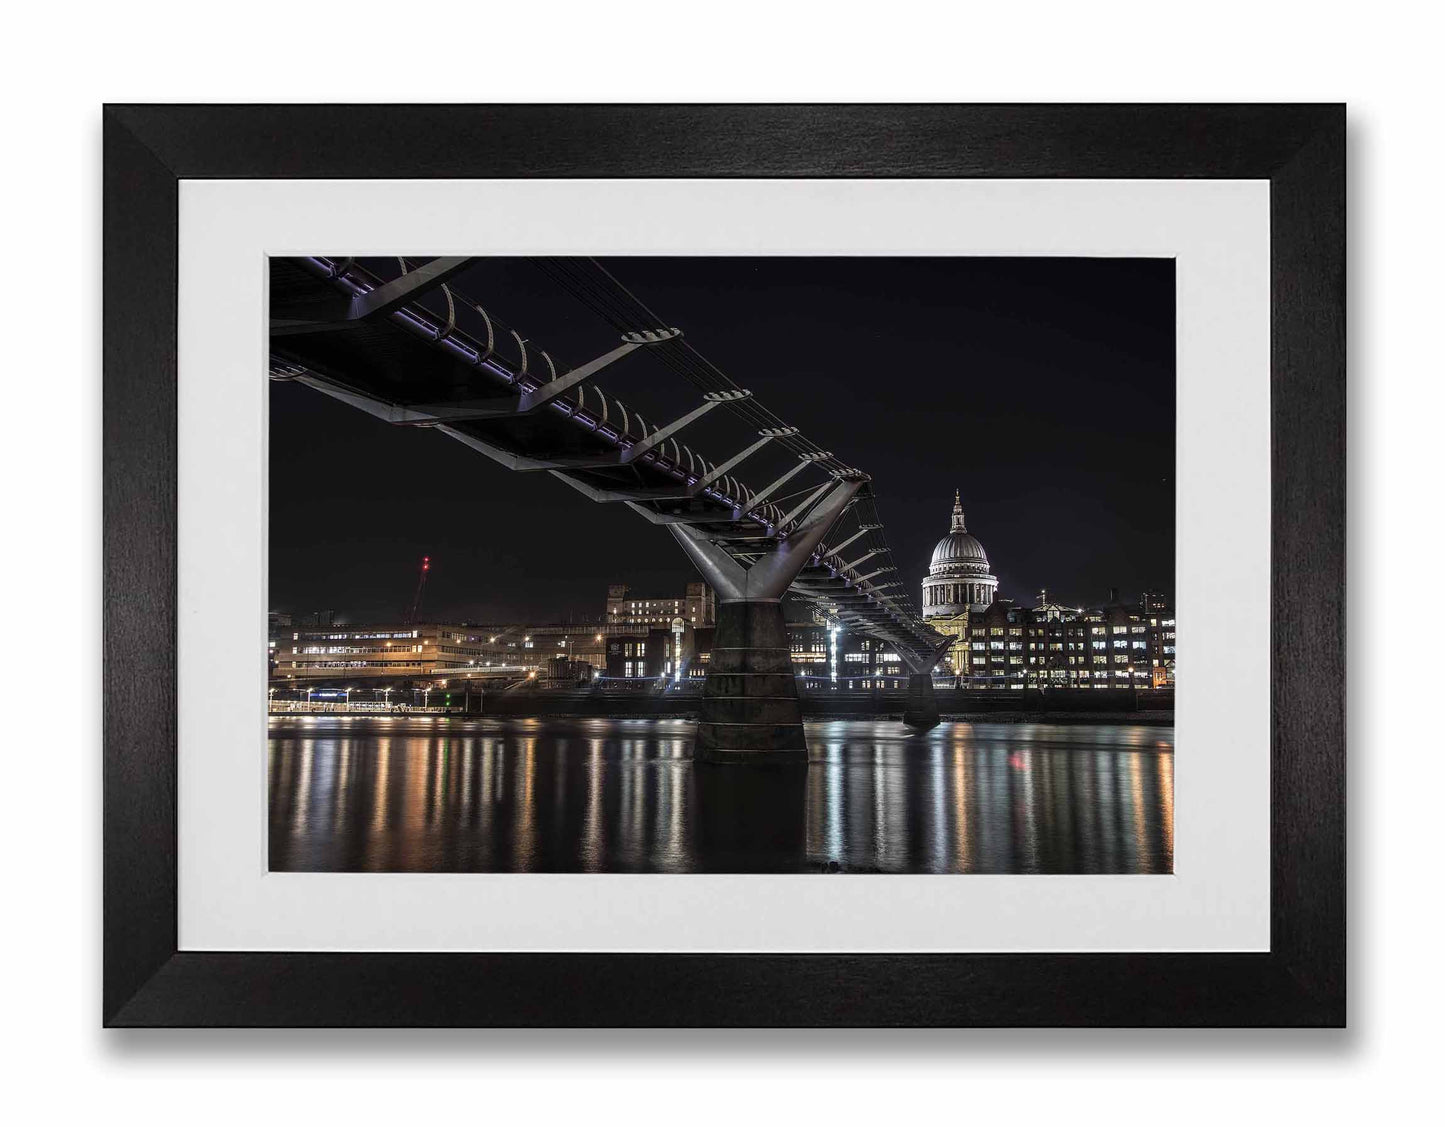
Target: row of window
[
  {"x": 357, "y": 665},
  {"x": 1039, "y": 631},
  {"x": 356, "y": 649},
  {"x": 296, "y": 637}
]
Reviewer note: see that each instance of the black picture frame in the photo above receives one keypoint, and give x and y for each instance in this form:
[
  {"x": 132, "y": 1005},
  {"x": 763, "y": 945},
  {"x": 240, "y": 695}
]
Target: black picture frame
[{"x": 1299, "y": 149}]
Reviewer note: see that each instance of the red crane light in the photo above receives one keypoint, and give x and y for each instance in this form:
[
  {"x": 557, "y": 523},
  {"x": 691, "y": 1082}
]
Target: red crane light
[{"x": 420, "y": 590}]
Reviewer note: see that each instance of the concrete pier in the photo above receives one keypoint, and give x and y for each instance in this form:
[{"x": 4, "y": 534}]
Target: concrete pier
[
  {"x": 921, "y": 709},
  {"x": 750, "y": 710}
]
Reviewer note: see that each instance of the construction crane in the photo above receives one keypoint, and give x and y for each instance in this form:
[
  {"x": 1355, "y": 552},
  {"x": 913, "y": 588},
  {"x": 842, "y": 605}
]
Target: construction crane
[{"x": 420, "y": 590}]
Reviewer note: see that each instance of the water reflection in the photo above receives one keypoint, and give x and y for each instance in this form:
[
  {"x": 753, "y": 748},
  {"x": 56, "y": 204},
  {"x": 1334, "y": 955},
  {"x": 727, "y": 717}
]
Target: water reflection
[{"x": 398, "y": 794}]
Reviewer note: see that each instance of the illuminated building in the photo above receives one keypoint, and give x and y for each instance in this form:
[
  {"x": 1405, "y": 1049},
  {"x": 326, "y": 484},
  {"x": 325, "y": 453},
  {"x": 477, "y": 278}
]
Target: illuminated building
[
  {"x": 1116, "y": 646},
  {"x": 576, "y": 641},
  {"x": 370, "y": 651},
  {"x": 697, "y": 607},
  {"x": 834, "y": 659},
  {"x": 638, "y": 655},
  {"x": 809, "y": 643},
  {"x": 861, "y": 665},
  {"x": 959, "y": 579}
]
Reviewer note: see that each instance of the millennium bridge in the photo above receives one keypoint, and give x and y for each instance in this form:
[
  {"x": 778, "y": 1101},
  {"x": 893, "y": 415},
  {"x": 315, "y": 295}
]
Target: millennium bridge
[{"x": 397, "y": 338}]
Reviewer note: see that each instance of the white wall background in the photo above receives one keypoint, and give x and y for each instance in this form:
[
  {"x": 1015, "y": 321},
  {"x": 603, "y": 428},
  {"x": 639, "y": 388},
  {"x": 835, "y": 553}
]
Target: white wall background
[{"x": 62, "y": 62}]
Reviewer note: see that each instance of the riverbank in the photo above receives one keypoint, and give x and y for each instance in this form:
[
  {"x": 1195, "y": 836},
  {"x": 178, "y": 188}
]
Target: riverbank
[
  {"x": 1160, "y": 718},
  {"x": 1064, "y": 706}
]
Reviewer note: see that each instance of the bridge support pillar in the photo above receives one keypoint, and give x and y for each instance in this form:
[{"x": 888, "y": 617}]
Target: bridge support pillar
[
  {"x": 920, "y": 709},
  {"x": 750, "y": 707}
]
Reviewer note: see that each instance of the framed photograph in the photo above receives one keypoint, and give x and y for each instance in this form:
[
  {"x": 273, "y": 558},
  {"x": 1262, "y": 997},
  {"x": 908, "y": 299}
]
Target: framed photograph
[{"x": 724, "y": 565}]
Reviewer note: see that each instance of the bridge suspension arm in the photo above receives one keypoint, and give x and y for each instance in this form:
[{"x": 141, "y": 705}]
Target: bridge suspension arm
[
  {"x": 719, "y": 471},
  {"x": 860, "y": 559},
  {"x": 544, "y": 393},
  {"x": 662, "y": 434},
  {"x": 385, "y": 299},
  {"x": 863, "y": 529}
]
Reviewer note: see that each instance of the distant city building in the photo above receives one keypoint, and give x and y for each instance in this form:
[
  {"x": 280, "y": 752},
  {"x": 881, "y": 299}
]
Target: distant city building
[
  {"x": 637, "y": 656},
  {"x": 578, "y": 641},
  {"x": 658, "y": 653},
  {"x": 424, "y": 651},
  {"x": 808, "y": 641},
  {"x": 959, "y": 579},
  {"x": 311, "y": 647},
  {"x": 1117, "y": 645},
  {"x": 697, "y": 607},
  {"x": 562, "y": 673}
]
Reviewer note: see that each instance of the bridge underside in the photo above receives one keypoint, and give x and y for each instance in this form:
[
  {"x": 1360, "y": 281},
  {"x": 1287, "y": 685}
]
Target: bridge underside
[{"x": 413, "y": 352}]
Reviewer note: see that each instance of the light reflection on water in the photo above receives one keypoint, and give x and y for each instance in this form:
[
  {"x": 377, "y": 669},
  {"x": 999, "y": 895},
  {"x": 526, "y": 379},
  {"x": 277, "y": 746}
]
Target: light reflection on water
[{"x": 400, "y": 794}]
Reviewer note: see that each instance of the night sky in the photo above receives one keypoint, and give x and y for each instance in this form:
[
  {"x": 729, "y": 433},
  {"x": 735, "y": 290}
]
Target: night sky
[{"x": 1042, "y": 388}]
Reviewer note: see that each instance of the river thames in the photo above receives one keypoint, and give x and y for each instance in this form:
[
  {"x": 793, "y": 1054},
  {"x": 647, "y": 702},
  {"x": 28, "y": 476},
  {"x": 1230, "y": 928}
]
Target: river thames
[{"x": 436, "y": 794}]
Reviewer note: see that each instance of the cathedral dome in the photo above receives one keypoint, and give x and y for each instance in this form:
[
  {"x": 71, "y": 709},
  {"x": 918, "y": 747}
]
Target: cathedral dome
[
  {"x": 958, "y": 576},
  {"x": 959, "y": 547},
  {"x": 960, "y": 550}
]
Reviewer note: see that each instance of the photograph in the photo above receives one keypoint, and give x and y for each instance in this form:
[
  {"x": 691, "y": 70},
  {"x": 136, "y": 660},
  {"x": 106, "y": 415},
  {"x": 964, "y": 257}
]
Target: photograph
[
  {"x": 721, "y": 565},
  {"x": 679, "y": 565}
]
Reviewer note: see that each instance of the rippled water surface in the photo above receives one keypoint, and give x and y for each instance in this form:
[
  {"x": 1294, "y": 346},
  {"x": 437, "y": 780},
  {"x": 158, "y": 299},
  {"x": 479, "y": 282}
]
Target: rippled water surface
[{"x": 419, "y": 794}]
